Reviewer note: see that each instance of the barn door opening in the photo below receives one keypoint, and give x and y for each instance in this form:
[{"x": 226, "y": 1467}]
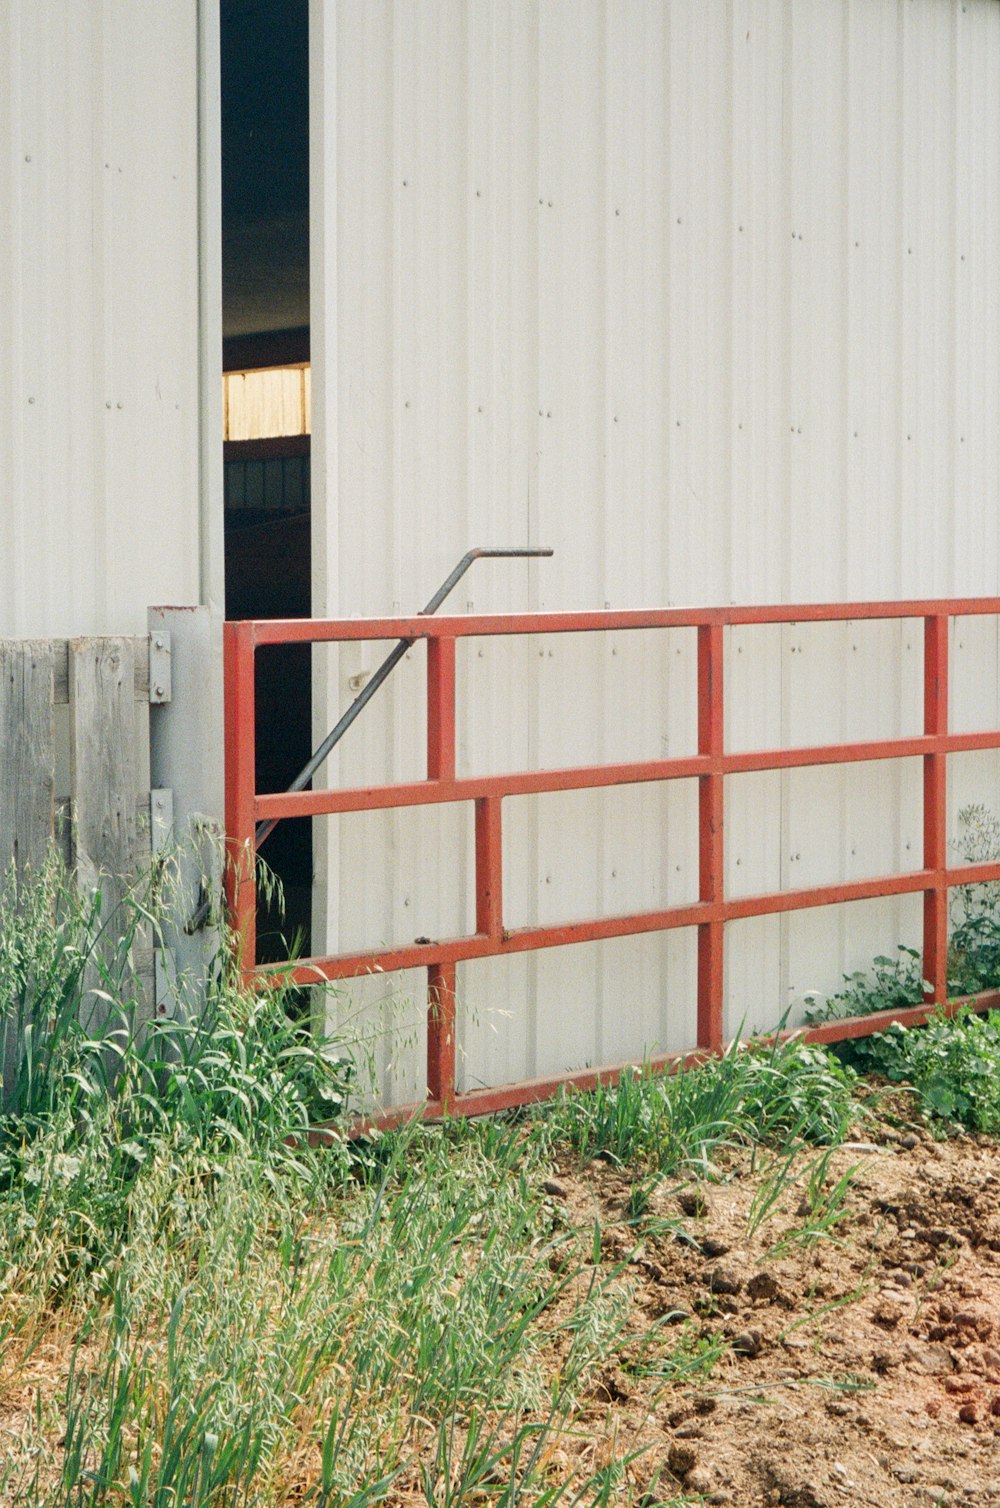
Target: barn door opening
[{"x": 266, "y": 399}]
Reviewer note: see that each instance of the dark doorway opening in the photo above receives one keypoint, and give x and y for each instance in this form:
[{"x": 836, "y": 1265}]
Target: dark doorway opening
[{"x": 265, "y": 268}]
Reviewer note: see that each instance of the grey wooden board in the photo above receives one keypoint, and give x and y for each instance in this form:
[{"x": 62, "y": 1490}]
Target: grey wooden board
[
  {"x": 108, "y": 845},
  {"x": 27, "y": 786},
  {"x": 27, "y": 754},
  {"x": 104, "y": 777},
  {"x": 61, "y": 654}
]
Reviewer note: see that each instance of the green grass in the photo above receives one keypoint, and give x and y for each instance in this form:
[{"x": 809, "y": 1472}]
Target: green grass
[
  {"x": 198, "y": 1308},
  {"x": 750, "y": 1094},
  {"x": 206, "y": 1310}
]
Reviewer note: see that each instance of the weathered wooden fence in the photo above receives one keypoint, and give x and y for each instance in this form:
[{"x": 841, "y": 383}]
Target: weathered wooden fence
[{"x": 74, "y": 760}]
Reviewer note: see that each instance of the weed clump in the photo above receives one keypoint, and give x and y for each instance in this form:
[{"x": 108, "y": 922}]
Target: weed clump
[
  {"x": 953, "y": 1063},
  {"x": 753, "y": 1093}
]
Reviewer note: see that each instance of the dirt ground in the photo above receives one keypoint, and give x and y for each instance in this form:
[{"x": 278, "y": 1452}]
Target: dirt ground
[{"x": 864, "y": 1365}]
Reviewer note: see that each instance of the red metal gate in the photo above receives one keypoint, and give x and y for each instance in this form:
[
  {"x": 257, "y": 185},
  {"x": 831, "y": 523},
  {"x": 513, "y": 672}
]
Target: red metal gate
[{"x": 245, "y": 807}]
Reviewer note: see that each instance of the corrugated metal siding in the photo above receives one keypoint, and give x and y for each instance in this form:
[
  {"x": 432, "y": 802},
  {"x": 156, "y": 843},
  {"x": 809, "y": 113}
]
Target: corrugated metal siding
[
  {"x": 704, "y": 295},
  {"x": 99, "y": 397}
]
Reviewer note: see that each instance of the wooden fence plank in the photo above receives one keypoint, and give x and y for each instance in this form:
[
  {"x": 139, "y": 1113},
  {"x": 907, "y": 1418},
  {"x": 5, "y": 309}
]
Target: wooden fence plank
[
  {"x": 104, "y": 780},
  {"x": 61, "y": 651},
  {"x": 27, "y": 752}
]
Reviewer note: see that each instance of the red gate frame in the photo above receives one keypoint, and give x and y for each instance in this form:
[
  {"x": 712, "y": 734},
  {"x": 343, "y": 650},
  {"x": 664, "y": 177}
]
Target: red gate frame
[{"x": 245, "y": 807}]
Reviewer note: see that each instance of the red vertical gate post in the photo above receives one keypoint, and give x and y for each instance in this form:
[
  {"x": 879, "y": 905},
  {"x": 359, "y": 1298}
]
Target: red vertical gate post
[
  {"x": 489, "y": 867},
  {"x": 440, "y": 709},
  {"x": 711, "y": 806},
  {"x": 240, "y": 743},
  {"x": 935, "y": 961},
  {"x": 441, "y": 977}
]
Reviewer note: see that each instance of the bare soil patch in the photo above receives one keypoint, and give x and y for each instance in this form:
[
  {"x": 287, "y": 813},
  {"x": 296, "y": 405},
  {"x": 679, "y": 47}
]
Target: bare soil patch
[{"x": 861, "y": 1367}]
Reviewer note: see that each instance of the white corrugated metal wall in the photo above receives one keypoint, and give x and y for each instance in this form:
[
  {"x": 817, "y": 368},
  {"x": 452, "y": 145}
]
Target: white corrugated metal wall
[
  {"x": 100, "y": 393},
  {"x": 703, "y": 294}
]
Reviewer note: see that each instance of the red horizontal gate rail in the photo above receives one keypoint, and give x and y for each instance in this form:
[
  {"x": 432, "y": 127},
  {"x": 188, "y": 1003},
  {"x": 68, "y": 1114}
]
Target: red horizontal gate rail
[{"x": 710, "y": 913}]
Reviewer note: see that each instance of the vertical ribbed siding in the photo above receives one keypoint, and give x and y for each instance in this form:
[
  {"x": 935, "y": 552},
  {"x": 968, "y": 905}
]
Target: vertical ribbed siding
[
  {"x": 99, "y": 391},
  {"x": 703, "y": 295}
]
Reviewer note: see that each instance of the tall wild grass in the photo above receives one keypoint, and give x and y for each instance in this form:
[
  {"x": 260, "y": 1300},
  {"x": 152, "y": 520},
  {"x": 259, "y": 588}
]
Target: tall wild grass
[{"x": 198, "y": 1308}]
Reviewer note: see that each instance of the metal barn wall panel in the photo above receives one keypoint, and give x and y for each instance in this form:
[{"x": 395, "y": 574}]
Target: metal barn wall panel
[
  {"x": 703, "y": 295},
  {"x": 99, "y": 313}
]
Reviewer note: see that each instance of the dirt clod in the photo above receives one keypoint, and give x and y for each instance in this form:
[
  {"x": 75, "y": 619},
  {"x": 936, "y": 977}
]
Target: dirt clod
[
  {"x": 712, "y": 1246},
  {"x": 933, "y": 1358},
  {"x": 725, "y": 1279},
  {"x": 682, "y": 1457},
  {"x": 764, "y": 1287}
]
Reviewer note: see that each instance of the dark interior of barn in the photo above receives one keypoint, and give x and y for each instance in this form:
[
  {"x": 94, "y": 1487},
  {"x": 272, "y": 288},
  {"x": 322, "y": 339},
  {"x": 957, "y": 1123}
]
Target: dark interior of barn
[{"x": 265, "y": 262}]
